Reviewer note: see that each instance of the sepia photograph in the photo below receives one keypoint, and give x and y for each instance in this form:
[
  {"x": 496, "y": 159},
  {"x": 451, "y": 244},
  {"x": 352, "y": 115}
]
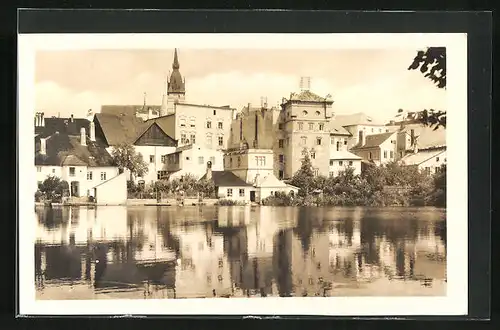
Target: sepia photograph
[{"x": 195, "y": 168}]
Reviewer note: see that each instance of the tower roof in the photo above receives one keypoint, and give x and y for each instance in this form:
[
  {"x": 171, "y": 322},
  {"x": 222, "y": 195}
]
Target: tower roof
[{"x": 176, "y": 84}]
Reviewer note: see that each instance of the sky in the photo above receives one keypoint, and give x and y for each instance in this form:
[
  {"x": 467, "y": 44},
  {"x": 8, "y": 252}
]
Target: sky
[{"x": 373, "y": 81}]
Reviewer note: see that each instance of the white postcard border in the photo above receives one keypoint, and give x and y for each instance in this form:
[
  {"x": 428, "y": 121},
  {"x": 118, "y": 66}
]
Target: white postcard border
[{"x": 454, "y": 303}]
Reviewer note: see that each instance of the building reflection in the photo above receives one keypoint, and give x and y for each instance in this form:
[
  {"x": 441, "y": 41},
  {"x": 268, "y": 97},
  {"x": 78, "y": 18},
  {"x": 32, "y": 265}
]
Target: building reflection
[{"x": 246, "y": 251}]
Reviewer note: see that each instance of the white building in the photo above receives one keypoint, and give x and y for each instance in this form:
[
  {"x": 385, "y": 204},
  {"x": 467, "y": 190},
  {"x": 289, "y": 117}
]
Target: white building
[{"x": 79, "y": 160}]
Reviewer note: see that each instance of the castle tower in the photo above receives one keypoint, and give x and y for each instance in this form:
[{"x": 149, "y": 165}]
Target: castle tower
[{"x": 176, "y": 88}]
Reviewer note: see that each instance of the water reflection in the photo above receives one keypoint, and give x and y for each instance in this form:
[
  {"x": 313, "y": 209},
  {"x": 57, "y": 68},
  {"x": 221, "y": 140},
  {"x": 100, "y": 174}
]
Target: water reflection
[{"x": 190, "y": 252}]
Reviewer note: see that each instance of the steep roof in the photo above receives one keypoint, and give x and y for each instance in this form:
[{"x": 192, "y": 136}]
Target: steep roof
[
  {"x": 65, "y": 150},
  {"x": 226, "y": 179},
  {"x": 120, "y": 128},
  {"x": 62, "y": 125},
  {"x": 359, "y": 118},
  {"x": 375, "y": 140},
  {"x": 337, "y": 155},
  {"x": 421, "y": 156},
  {"x": 271, "y": 181},
  {"x": 427, "y": 137},
  {"x": 308, "y": 96},
  {"x": 336, "y": 129}
]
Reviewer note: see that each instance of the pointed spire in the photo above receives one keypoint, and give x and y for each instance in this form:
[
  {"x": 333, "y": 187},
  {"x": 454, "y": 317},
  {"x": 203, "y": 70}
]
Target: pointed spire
[{"x": 175, "y": 65}]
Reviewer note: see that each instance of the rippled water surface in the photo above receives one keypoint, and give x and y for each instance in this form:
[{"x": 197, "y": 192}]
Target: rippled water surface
[{"x": 237, "y": 251}]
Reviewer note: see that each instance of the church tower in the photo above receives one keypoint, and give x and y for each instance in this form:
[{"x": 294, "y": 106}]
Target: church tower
[{"x": 176, "y": 88}]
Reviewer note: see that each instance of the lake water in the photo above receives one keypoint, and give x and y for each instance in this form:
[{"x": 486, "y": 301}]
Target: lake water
[{"x": 112, "y": 252}]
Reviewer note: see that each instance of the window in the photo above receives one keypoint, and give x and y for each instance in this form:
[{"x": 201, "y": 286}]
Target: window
[
  {"x": 182, "y": 122},
  {"x": 183, "y": 138},
  {"x": 428, "y": 170},
  {"x": 260, "y": 160},
  {"x": 280, "y": 174},
  {"x": 331, "y": 162},
  {"x": 350, "y": 163},
  {"x": 151, "y": 158},
  {"x": 229, "y": 192},
  {"x": 38, "y": 168},
  {"x": 392, "y": 154},
  {"x": 231, "y": 162},
  {"x": 385, "y": 153},
  {"x": 372, "y": 129},
  {"x": 201, "y": 160},
  {"x": 345, "y": 142},
  {"x": 437, "y": 159},
  {"x": 303, "y": 140},
  {"x": 89, "y": 175},
  {"x": 321, "y": 126},
  {"x": 221, "y": 141},
  {"x": 301, "y": 126},
  {"x": 437, "y": 170},
  {"x": 53, "y": 170},
  {"x": 161, "y": 174},
  {"x": 341, "y": 163},
  {"x": 380, "y": 130},
  {"x": 318, "y": 113},
  {"x": 332, "y": 174},
  {"x": 220, "y": 125},
  {"x": 193, "y": 138},
  {"x": 163, "y": 159},
  {"x": 242, "y": 192},
  {"x": 318, "y": 141},
  {"x": 103, "y": 176},
  {"x": 332, "y": 140},
  {"x": 239, "y": 161},
  {"x": 281, "y": 143},
  {"x": 338, "y": 145},
  {"x": 313, "y": 155},
  {"x": 311, "y": 126},
  {"x": 209, "y": 124},
  {"x": 280, "y": 126},
  {"x": 304, "y": 113},
  {"x": 316, "y": 171},
  {"x": 215, "y": 112},
  {"x": 281, "y": 159},
  {"x": 71, "y": 171},
  {"x": 212, "y": 160},
  {"x": 370, "y": 155},
  {"x": 208, "y": 141},
  {"x": 192, "y": 122}
]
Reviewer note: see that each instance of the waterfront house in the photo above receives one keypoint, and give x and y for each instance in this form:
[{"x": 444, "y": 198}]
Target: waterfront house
[
  {"x": 378, "y": 149},
  {"x": 81, "y": 160},
  {"x": 229, "y": 186},
  {"x": 342, "y": 160},
  {"x": 192, "y": 159}
]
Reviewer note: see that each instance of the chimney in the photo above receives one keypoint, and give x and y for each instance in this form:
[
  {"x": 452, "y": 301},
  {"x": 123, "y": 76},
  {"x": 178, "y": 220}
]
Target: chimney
[
  {"x": 150, "y": 113},
  {"x": 36, "y": 119},
  {"x": 412, "y": 136},
  {"x": 362, "y": 138},
  {"x": 71, "y": 118},
  {"x": 42, "y": 120},
  {"x": 209, "y": 171},
  {"x": 92, "y": 131},
  {"x": 43, "y": 146},
  {"x": 415, "y": 146},
  {"x": 83, "y": 137}
]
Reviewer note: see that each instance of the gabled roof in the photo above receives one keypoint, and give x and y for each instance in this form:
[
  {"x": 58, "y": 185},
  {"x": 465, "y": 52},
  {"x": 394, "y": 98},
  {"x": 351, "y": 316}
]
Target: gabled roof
[
  {"x": 62, "y": 125},
  {"x": 308, "y": 96},
  {"x": 226, "y": 179},
  {"x": 359, "y": 118},
  {"x": 65, "y": 150},
  {"x": 336, "y": 129},
  {"x": 427, "y": 137},
  {"x": 421, "y": 156},
  {"x": 163, "y": 122},
  {"x": 120, "y": 129},
  {"x": 375, "y": 140},
  {"x": 270, "y": 181},
  {"x": 339, "y": 155}
]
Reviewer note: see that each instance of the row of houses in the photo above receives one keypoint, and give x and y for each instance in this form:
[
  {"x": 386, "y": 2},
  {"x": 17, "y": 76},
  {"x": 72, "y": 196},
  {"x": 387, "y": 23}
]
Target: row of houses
[{"x": 248, "y": 154}]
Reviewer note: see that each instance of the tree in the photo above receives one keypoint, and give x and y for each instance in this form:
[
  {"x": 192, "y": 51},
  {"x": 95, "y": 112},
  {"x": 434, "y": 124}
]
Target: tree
[
  {"x": 125, "y": 157},
  {"x": 53, "y": 188},
  {"x": 206, "y": 187},
  {"x": 304, "y": 177},
  {"x": 432, "y": 64}
]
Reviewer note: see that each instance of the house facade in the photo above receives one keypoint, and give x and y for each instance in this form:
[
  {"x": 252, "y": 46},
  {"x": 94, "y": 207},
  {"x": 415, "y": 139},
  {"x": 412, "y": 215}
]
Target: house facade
[
  {"x": 378, "y": 149},
  {"x": 229, "y": 186},
  {"x": 192, "y": 159},
  {"x": 80, "y": 160}
]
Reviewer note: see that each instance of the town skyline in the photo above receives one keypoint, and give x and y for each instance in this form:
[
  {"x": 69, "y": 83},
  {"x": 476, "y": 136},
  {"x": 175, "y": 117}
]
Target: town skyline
[{"x": 71, "y": 82}]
